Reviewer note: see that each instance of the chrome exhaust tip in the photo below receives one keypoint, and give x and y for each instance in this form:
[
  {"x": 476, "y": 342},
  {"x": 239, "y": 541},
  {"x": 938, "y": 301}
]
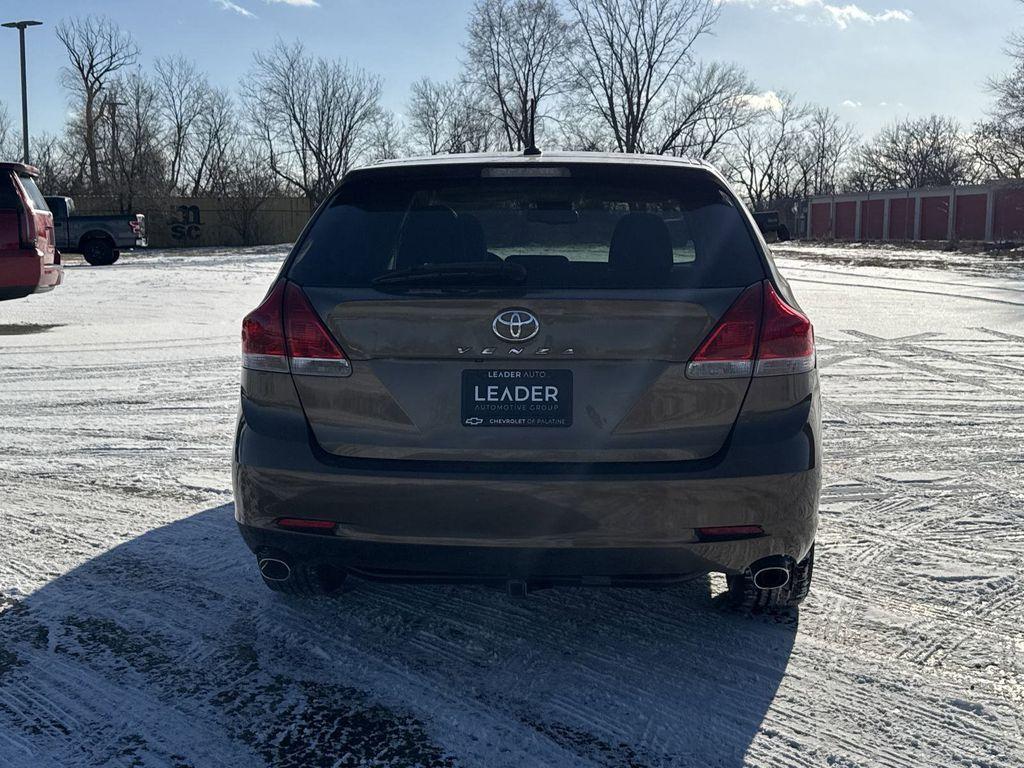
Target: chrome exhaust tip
[
  {"x": 770, "y": 572},
  {"x": 772, "y": 577},
  {"x": 274, "y": 570}
]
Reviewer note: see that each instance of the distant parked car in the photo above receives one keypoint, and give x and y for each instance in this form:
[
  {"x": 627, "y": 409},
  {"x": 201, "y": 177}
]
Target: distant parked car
[
  {"x": 770, "y": 223},
  {"x": 29, "y": 259},
  {"x": 99, "y": 238}
]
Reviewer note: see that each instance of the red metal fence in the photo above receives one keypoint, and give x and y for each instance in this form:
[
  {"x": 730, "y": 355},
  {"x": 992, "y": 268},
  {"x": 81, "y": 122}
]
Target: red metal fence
[{"x": 992, "y": 213}]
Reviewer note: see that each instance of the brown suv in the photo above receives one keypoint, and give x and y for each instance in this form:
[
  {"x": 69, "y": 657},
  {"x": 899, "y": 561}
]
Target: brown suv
[{"x": 531, "y": 370}]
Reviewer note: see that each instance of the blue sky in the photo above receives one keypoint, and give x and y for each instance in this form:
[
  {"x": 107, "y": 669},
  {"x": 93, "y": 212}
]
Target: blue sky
[{"x": 871, "y": 60}]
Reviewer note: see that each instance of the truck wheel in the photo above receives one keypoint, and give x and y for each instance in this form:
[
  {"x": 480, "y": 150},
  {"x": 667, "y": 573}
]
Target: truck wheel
[
  {"x": 747, "y": 597},
  {"x": 99, "y": 252}
]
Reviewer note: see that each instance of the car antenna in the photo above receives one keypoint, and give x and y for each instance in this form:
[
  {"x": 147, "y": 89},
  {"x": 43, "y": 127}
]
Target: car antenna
[{"x": 531, "y": 148}]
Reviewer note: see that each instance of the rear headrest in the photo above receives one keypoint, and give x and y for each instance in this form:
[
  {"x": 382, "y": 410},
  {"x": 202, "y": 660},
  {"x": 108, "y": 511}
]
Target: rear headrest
[
  {"x": 641, "y": 249},
  {"x": 431, "y": 235}
]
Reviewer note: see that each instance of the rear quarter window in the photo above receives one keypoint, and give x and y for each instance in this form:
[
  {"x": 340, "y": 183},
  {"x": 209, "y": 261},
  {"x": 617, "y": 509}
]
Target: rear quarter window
[
  {"x": 592, "y": 226},
  {"x": 34, "y": 195}
]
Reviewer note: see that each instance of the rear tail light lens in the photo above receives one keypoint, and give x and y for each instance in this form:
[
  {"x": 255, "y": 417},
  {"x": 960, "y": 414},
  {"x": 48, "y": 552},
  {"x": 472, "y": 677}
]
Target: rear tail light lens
[
  {"x": 263, "y": 344},
  {"x": 787, "y": 339},
  {"x": 286, "y": 334},
  {"x": 311, "y": 349},
  {"x": 728, "y": 351},
  {"x": 758, "y": 335}
]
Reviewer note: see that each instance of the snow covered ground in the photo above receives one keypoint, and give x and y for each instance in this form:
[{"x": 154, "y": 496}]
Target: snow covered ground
[{"x": 134, "y": 630}]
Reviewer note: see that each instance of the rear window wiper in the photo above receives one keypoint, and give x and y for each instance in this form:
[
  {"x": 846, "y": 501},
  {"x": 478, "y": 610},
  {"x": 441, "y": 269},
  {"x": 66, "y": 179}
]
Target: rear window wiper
[{"x": 456, "y": 273}]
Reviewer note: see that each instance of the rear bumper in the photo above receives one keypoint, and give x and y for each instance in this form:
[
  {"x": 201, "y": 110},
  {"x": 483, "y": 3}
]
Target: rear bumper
[
  {"x": 410, "y": 519},
  {"x": 24, "y": 272}
]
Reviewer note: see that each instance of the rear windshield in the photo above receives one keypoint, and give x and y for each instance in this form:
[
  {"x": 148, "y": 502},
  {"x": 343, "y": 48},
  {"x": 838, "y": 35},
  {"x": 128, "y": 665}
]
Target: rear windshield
[
  {"x": 599, "y": 227},
  {"x": 34, "y": 195}
]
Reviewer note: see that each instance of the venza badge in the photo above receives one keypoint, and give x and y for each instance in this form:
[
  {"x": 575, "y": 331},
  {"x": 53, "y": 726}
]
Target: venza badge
[{"x": 515, "y": 325}]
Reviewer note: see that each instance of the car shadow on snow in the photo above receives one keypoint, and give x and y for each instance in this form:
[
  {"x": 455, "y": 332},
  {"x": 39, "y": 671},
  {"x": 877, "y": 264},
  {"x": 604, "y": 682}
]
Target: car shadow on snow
[{"x": 167, "y": 650}]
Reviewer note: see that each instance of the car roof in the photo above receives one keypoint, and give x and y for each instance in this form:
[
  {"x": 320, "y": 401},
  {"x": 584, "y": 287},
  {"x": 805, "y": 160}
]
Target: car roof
[
  {"x": 518, "y": 158},
  {"x": 31, "y": 170}
]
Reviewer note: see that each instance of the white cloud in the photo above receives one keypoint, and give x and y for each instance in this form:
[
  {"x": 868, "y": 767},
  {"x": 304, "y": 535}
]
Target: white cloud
[
  {"x": 851, "y": 104},
  {"x": 768, "y": 100},
  {"x": 227, "y": 5},
  {"x": 303, "y": 3},
  {"x": 841, "y": 16}
]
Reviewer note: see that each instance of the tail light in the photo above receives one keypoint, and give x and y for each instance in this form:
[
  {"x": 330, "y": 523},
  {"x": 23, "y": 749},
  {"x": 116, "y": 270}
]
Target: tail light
[
  {"x": 759, "y": 335},
  {"x": 284, "y": 333},
  {"x": 787, "y": 338}
]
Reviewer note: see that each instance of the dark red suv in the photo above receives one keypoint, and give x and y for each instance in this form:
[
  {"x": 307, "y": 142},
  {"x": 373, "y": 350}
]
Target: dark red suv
[{"x": 29, "y": 260}]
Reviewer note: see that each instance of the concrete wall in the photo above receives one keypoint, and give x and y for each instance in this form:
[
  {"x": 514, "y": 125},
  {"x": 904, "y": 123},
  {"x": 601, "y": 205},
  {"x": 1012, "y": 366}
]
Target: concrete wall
[
  {"x": 212, "y": 221},
  {"x": 992, "y": 213}
]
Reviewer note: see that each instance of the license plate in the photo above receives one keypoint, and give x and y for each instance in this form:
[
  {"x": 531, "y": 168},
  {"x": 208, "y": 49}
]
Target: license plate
[{"x": 517, "y": 398}]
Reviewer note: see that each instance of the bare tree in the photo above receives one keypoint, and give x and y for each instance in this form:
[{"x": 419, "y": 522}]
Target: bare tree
[
  {"x": 996, "y": 147},
  {"x": 250, "y": 184},
  {"x": 8, "y": 137},
  {"x": 207, "y": 163},
  {"x": 448, "y": 118},
  {"x": 923, "y": 152},
  {"x": 828, "y": 144},
  {"x": 97, "y": 49},
  {"x": 183, "y": 95},
  {"x": 706, "y": 109},
  {"x": 312, "y": 115},
  {"x": 997, "y": 143},
  {"x": 386, "y": 139},
  {"x": 516, "y": 55},
  {"x": 131, "y": 134},
  {"x": 631, "y": 57},
  {"x": 764, "y": 160},
  {"x": 57, "y": 169}
]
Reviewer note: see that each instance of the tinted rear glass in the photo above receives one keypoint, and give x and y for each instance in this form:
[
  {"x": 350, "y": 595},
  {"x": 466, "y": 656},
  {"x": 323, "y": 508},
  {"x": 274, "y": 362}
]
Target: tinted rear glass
[
  {"x": 598, "y": 227},
  {"x": 9, "y": 200},
  {"x": 34, "y": 195}
]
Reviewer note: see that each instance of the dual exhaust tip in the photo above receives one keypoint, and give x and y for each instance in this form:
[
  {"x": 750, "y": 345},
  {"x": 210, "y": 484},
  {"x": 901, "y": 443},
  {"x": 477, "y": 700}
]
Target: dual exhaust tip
[
  {"x": 770, "y": 572},
  {"x": 274, "y": 569},
  {"x": 767, "y": 573}
]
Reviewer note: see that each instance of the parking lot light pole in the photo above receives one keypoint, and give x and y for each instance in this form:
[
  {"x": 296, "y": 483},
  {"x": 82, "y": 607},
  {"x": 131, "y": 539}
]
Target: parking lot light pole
[{"x": 20, "y": 26}]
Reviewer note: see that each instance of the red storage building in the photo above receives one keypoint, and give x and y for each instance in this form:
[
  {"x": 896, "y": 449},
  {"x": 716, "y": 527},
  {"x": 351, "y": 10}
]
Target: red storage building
[
  {"x": 872, "y": 220},
  {"x": 935, "y": 218},
  {"x": 846, "y": 221},
  {"x": 901, "y": 219},
  {"x": 971, "y": 212},
  {"x": 991, "y": 212}
]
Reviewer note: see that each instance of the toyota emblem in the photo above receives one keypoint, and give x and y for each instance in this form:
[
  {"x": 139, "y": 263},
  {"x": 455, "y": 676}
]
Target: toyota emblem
[{"x": 515, "y": 325}]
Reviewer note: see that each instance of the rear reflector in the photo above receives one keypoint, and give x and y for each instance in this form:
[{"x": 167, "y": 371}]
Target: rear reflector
[
  {"x": 302, "y": 524},
  {"x": 758, "y": 335},
  {"x": 286, "y": 334},
  {"x": 729, "y": 532}
]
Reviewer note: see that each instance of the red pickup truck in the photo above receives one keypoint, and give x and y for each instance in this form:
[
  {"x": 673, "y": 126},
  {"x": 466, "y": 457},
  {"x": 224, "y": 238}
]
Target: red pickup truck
[{"x": 29, "y": 259}]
